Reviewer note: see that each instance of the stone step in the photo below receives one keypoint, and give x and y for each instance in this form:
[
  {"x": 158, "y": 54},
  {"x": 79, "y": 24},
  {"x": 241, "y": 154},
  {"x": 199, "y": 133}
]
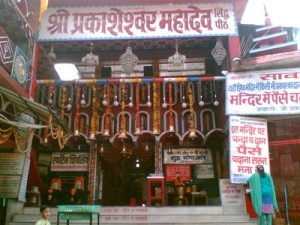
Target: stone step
[
  {"x": 153, "y": 218},
  {"x": 254, "y": 222},
  {"x": 212, "y": 215},
  {"x": 154, "y": 210}
]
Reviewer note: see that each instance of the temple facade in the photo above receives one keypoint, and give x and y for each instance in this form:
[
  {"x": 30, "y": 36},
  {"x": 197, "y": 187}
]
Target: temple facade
[{"x": 175, "y": 105}]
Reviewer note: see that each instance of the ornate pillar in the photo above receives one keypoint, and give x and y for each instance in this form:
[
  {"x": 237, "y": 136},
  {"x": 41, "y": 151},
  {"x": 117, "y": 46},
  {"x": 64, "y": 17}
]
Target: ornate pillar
[{"x": 92, "y": 172}]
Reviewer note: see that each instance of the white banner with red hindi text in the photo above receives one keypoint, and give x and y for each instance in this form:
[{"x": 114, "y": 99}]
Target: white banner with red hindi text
[
  {"x": 138, "y": 21},
  {"x": 249, "y": 147},
  {"x": 271, "y": 92}
]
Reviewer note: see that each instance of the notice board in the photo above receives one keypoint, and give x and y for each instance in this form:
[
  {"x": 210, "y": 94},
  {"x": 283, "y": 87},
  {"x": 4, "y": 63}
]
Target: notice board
[{"x": 184, "y": 170}]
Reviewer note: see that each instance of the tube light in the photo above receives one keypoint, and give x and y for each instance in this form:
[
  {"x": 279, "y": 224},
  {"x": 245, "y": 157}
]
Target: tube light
[{"x": 66, "y": 71}]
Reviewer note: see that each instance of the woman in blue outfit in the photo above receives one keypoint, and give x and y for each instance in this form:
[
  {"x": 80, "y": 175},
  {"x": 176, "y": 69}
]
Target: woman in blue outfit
[{"x": 263, "y": 195}]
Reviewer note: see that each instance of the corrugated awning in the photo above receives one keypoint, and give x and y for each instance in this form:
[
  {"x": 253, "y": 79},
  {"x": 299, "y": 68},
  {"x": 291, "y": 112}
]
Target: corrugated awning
[{"x": 31, "y": 108}]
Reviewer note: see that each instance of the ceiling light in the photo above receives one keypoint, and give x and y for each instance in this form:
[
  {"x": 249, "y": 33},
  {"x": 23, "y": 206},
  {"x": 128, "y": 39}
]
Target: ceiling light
[
  {"x": 219, "y": 52},
  {"x": 128, "y": 61},
  {"x": 90, "y": 59},
  {"x": 177, "y": 60},
  {"x": 66, "y": 71},
  {"x": 52, "y": 54}
]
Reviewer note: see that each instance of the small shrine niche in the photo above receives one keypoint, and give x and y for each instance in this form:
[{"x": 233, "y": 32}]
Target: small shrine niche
[
  {"x": 83, "y": 123},
  {"x": 144, "y": 93},
  {"x": 108, "y": 123},
  {"x": 169, "y": 93},
  {"x": 186, "y": 120},
  {"x": 66, "y": 95},
  {"x": 207, "y": 118},
  {"x": 170, "y": 120},
  {"x": 128, "y": 122},
  {"x": 144, "y": 121},
  {"x": 205, "y": 92}
]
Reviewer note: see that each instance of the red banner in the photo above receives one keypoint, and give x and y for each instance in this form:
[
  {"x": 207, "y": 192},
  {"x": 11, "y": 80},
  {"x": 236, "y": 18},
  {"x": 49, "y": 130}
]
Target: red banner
[{"x": 183, "y": 170}]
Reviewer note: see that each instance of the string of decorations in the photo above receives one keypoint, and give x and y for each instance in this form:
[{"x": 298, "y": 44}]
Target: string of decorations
[
  {"x": 77, "y": 108},
  {"x": 26, "y": 142},
  {"x": 5, "y": 134},
  {"x": 137, "y": 116},
  {"x": 136, "y": 80},
  {"x": 171, "y": 119},
  {"x": 94, "y": 118},
  {"x": 123, "y": 119},
  {"x": 156, "y": 108},
  {"x": 191, "y": 121},
  {"x": 58, "y": 133},
  {"x": 107, "y": 112}
]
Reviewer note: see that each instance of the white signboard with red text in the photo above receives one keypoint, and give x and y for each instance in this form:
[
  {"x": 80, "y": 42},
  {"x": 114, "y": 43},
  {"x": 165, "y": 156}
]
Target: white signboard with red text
[
  {"x": 263, "y": 92},
  {"x": 248, "y": 138},
  {"x": 231, "y": 194},
  {"x": 138, "y": 21},
  {"x": 70, "y": 161}
]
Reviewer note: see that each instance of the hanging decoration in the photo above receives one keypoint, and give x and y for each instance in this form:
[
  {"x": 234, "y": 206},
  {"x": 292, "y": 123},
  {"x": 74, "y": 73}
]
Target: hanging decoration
[
  {"x": 126, "y": 150},
  {"x": 156, "y": 108},
  {"x": 90, "y": 59},
  {"x": 122, "y": 133},
  {"x": 24, "y": 146},
  {"x": 144, "y": 155},
  {"x": 23, "y": 133},
  {"x": 95, "y": 119},
  {"x": 183, "y": 105},
  {"x": 149, "y": 104},
  {"x": 192, "y": 133},
  {"x": 84, "y": 92},
  {"x": 77, "y": 108},
  {"x": 137, "y": 107},
  {"x": 171, "y": 119},
  {"x": 128, "y": 61},
  {"x": 58, "y": 133},
  {"x": 177, "y": 60},
  {"x": 50, "y": 92},
  {"x": 5, "y": 134},
  {"x": 115, "y": 102},
  {"x": 201, "y": 102},
  {"x": 107, "y": 112},
  {"x": 216, "y": 102},
  {"x": 219, "y": 52},
  {"x": 52, "y": 54}
]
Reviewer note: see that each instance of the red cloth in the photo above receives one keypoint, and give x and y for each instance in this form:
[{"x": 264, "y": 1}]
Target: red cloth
[{"x": 34, "y": 177}]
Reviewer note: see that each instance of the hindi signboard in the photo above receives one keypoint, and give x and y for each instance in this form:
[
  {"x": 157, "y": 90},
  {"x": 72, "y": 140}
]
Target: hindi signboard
[
  {"x": 183, "y": 170},
  {"x": 231, "y": 194},
  {"x": 204, "y": 171},
  {"x": 10, "y": 186},
  {"x": 11, "y": 170},
  {"x": 248, "y": 147},
  {"x": 263, "y": 92},
  {"x": 187, "y": 156},
  {"x": 11, "y": 163},
  {"x": 138, "y": 21},
  {"x": 70, "y": 161}
]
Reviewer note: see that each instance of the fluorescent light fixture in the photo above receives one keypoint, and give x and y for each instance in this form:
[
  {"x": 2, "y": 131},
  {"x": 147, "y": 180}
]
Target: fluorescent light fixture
[{"x": 66, "y": 71}]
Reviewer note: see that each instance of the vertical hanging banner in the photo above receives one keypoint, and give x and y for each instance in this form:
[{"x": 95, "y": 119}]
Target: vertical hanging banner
[
  {"x": 138, "y": 21},
  {"x": 248, "y": 147}
]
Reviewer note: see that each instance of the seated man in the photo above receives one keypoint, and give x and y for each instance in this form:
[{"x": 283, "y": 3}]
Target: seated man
[
  {"x": 54, "y": 192},
  {"x": 78, "y": 195}
]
